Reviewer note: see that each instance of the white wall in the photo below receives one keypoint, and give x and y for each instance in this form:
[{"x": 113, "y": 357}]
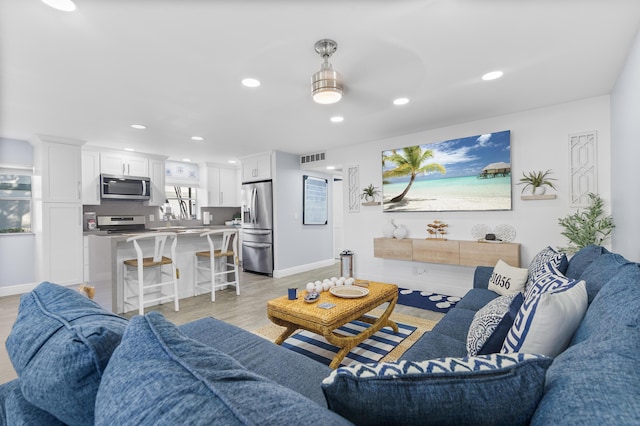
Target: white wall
[
  {"x": 539, "y": 141},
  {"x": 297, "y": 247},
  {"x": 625, "y": 144}
]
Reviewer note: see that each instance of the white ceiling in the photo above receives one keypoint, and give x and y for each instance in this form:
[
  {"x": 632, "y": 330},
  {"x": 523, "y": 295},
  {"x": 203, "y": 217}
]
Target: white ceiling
[{"x": 175, "y": 66}]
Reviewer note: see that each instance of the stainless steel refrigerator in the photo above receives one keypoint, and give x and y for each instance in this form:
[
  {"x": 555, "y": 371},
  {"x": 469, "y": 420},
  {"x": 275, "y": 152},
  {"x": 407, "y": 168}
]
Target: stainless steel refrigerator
[{"x": 257, "y": 227}]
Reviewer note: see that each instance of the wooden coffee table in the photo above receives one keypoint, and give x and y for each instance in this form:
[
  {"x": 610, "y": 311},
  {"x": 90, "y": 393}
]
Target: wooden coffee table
[{"x": 297, "y": 314}]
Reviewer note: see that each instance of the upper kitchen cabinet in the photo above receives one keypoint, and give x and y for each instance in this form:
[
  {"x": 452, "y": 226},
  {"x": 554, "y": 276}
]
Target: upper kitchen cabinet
[
  {"x": 90, "y": 177},
  {"x": 58, "y": 164},
  {"x": 156, "y": 174},
  {"x": 256, "y": 167},
  {"x": 222, "y": 186},
  {"x": 115, "y": 163}
]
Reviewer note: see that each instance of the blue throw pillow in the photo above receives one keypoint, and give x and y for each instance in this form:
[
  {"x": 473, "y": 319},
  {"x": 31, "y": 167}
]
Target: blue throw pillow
[
  {"x": 20, "y": 412},
  {"x": 159, "y": 376},
  {"x": 59, "y": 346},
  {"x": 546, "y": 255},
  {"x": 497, "y": 314},
  {"x": 487, "y": 389}
]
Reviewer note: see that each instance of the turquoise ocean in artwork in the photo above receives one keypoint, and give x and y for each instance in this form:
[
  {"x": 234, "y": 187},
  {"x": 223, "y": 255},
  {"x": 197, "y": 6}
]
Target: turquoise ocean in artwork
[{"x": 467, "y": 186}]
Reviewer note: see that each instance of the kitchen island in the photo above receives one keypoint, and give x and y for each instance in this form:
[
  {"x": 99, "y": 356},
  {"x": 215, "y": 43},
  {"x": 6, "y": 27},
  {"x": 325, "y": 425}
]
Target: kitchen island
[{"x": 107, "y": 252}]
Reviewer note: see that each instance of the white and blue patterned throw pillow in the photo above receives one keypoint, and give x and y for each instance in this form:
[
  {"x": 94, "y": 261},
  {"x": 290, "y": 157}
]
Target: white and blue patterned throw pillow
[
  {"x": 545, "y": 256},
  {"x": 496, "y": 317},
  {"x": 490, "y": 389},
  {"x": 552, "y": 310}
]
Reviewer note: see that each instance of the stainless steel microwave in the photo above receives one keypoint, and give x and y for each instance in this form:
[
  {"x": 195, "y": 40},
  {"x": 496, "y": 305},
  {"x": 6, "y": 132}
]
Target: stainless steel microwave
[{"x": 125, "y": 187}]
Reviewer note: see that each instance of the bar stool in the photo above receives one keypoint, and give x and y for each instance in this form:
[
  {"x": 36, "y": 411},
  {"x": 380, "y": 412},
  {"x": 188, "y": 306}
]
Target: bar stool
[
  {"x": 218, "y": 274},
  {"x": 133, "y": 271}
]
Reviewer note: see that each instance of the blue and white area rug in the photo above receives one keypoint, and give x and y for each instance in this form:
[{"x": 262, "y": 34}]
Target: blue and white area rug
[
  {"x": 372, "y": 349},
  {"x": 426, "y": 300}
]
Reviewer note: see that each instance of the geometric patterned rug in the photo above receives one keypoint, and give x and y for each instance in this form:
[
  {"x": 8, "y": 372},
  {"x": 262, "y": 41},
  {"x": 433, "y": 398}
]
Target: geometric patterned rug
[
  {"x": 383, "y": 345},
  {"x": 426, "y": 300}
]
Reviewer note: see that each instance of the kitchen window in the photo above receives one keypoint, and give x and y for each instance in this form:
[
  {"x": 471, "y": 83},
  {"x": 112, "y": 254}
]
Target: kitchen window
[
  {"x": 182, "y": 201},
  {"x": 15, "y": 203}
]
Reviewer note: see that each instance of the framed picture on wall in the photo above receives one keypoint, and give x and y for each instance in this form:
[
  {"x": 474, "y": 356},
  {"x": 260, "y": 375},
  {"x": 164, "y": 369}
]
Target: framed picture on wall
[
  {"x": 466, "y": 174},
  {"x": 315, "y": 208}
]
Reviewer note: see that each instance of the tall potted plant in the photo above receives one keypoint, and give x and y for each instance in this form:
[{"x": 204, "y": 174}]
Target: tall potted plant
[{"x": 589, "y": 226}]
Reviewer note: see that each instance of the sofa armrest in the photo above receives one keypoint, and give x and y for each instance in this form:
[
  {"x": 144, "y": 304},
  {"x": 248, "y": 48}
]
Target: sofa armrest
[{"x": 481, "y": 276}]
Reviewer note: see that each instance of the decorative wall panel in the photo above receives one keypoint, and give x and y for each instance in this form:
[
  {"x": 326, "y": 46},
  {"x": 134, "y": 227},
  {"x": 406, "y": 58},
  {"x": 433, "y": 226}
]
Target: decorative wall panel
[
  {"x": 583, "y": 167},
  {"x": 353, "y": 188}
]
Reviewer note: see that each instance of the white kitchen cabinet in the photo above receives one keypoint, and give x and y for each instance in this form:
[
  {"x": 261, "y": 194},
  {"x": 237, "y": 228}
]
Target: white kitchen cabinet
[
  {"x": 61, "y": 244},
  {"x": 222, "y": 187},
  {"x": 91, "y": 178},
  {"x": 257, "y": 167},
  {"x": 58, "y": 161},
  {"x": 115, "y": 163},
  {"x": 156, "y": 174}
]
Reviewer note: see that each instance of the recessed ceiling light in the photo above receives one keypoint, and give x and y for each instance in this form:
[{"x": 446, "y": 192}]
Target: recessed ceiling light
[
  {"x": 232, "y": 161},
  {"x": 188, "y": 160},
  {"x": 401, "y": 101},
  {"x": 337, "y": 119},
  {"x": 138, "y": 126},
  {"x": 197, "y": 138},
  {"x": 331, "y": 167},
  {"x": 63, "y": 5},
  {"x": 250, "y": 82},
  {"x": 129, "y": 149},
  {"x": 492, "y": 75}
]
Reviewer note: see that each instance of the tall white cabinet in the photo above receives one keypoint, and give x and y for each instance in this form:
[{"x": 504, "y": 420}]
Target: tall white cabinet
[
  {"x": 57, "y": 209},
  {"x": 222, "y": 186}
]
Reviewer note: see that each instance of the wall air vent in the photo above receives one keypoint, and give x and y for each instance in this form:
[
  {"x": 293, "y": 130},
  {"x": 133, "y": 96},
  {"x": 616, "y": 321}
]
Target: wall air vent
[{"x": 312, "y": 158}]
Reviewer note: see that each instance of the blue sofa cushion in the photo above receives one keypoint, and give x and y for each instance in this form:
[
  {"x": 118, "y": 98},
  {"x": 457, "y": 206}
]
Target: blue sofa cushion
[
  {"x": 476, "y": 298},
  {"x": 540, "y": 260},
  {"x": 550, "y": 314},
  {"x": 59, "y": 346},
  {"x": 582, "y": 259},
  {"x": 159, "y": 376},
  {"x": 17, "y": 411},
  {"x": 288, "y": 368},
  {"x": 491, "y": 324},
  {"x": 600, "y": 271},
  {"x": 488, "y": 389},
  {"x": 435, "y": 345},
  {"x": 615, "y": 310}
]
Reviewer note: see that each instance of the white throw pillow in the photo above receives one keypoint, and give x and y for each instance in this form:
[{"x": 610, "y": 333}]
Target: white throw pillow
[
  {"x": 507, "y": 279},
  {"x": 547, "y": 320}
]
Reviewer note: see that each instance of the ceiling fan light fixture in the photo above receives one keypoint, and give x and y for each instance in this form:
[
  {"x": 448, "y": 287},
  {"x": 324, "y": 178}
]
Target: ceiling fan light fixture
[{"x": 326, "y": 84}]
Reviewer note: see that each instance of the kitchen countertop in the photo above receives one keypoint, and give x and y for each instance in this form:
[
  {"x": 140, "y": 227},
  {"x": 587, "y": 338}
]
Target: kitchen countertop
[{"x": 176, "y": 229}]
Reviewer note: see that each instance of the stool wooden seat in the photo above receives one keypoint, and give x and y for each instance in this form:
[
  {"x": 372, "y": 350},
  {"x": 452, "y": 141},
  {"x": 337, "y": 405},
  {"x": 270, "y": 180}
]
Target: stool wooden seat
[
  {"x": 137, "y": 291},
  {"x": 207, "y": 262}
]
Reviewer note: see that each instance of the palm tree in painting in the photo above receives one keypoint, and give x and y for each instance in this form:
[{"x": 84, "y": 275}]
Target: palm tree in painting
[{"x": 409, "y": 162}]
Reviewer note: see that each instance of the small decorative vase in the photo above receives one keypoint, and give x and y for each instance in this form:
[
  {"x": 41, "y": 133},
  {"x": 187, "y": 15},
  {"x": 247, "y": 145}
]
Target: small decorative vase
[
  {"x": 539, "y": 190},
  {"x": 388, "y": 228},
  {"x": 369, "y": 198},
  {"x": 400, "y": 232}
]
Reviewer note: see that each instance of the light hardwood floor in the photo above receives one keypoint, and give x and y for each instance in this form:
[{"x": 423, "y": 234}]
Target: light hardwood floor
[{"x": 248, "y": 311}]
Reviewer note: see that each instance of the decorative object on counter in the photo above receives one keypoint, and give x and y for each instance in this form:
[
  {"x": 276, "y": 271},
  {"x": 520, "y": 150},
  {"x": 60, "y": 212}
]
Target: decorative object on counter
[
  {"x": 388, "y": 228},
  {"x": 538, "y": 181},
  {"x": 400, "y": 232},
  {"x": 437, "y": 230},
  {"x": 369, "y": 194},
  {"x": 586, "y": 227},
  {"x": 502, "y": 233}
]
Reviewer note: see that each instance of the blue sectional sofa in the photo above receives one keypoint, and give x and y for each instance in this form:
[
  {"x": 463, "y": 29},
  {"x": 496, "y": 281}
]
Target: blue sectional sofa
[{"x": 78, "y": 364}]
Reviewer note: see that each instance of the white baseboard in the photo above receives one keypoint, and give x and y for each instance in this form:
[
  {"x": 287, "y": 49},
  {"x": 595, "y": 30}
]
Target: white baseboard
[
  {"x": 17, "y": 289},
  {"x": 280, "y": 273}
]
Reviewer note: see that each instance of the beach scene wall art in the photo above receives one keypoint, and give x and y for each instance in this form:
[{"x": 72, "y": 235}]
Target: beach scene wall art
[{"x": 466, "y": 174}]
